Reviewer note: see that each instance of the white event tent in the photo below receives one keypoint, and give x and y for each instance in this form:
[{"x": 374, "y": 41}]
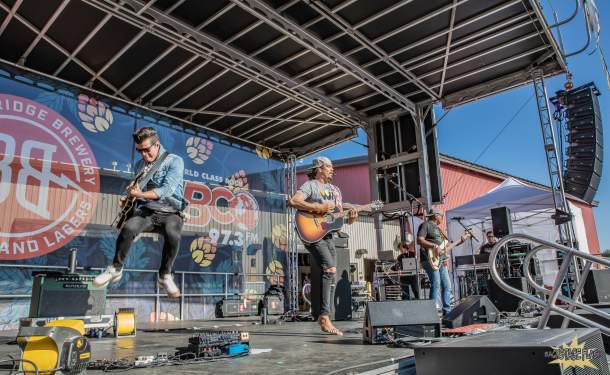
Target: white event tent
[{"x": 531, "y": 208}]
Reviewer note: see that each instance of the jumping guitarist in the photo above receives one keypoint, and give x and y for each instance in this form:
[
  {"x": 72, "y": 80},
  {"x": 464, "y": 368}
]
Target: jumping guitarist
[
  {"x": 158, "y": 194},
  {"x": 319, "y": 196},
  {"x": 433, "y": 242}
]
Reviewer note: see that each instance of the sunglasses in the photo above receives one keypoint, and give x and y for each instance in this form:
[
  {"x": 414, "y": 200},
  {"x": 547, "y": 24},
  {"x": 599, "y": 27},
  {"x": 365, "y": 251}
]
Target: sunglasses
[{"x": 146, "y": 149}]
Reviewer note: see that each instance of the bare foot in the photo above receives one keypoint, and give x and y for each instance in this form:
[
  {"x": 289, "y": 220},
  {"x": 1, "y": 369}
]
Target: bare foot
[{"x": 326, "y": 325}]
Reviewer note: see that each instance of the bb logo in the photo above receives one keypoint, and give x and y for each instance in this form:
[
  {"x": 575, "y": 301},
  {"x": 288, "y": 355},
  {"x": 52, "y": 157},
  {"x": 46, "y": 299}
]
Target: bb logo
[{"x": 49, "y": 179}]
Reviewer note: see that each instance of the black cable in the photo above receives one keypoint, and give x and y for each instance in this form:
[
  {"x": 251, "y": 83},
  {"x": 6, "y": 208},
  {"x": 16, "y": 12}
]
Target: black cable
[{"x": 15, "y": 361}]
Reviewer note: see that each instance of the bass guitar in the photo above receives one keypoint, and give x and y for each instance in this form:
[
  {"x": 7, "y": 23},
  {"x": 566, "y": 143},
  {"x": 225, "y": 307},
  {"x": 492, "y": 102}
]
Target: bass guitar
[
  {"x": 312, "y": 227},
  {"x": 436, "y": 256}
]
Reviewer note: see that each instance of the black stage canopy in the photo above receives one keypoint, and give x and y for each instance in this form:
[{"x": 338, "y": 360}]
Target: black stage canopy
[{"x": 294, "y": 76}]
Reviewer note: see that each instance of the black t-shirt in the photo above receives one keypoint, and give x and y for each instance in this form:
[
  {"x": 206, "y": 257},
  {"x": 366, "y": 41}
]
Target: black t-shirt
[
  {"x": 486, "y": 248},
  {"x": 431, "y": 232}
]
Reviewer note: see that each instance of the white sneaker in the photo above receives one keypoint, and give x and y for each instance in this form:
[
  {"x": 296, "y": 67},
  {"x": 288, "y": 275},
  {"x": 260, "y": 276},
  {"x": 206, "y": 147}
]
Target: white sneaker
[
  {"x": 167, "y": 282},
  {"x": 110, "y": 275}
]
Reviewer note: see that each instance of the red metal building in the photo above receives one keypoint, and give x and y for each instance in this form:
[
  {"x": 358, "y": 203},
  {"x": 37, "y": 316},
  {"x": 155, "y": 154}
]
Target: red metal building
[{"x": 462, "y": 182}]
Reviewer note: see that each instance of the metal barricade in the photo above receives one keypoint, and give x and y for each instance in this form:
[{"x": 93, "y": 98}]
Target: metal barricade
[{"x": 554, "y": 294}]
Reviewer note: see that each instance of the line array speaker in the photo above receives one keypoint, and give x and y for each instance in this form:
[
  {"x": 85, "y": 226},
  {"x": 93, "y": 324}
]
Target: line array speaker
[{"x": 584, "y": 152}]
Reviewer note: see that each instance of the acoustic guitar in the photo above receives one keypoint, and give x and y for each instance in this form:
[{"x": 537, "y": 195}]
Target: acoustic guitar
[
  {"x": 311, "y": 227},
  {"x": 435, "y": 257}
]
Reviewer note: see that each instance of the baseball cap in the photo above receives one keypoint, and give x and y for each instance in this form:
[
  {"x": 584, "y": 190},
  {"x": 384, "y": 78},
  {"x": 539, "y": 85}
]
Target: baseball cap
[
  {"x": 320, "y": 161},
  {"x": 434, "y": 211}
]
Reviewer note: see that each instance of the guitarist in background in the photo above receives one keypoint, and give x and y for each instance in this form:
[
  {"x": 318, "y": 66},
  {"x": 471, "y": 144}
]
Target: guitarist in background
[
  {"x": 318, "y": 196},
  {"x": 430, "y": 237},
  {"x": 159, "y": 206}
]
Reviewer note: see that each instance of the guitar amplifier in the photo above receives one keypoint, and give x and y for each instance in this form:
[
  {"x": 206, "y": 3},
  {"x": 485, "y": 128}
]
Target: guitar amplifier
[
  {"x": 57, "y": 294},
  {"x": 233, "y": 307}
]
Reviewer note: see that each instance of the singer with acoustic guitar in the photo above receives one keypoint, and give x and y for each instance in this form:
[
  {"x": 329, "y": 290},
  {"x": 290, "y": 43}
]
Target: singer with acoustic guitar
[
  {"x": 319, "y": 196},
  {"x": 154, "y": 201},
  {"x": 433, "y": 254}
]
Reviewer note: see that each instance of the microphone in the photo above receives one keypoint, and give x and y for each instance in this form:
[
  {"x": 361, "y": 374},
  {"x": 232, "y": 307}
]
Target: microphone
[
  {"x": 385, "y": 175},
  {"x": 458, "y": 218}
]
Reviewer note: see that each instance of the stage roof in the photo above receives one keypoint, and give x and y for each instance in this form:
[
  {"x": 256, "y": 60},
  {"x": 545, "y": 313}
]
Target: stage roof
[{"x": 294, "y": 76}]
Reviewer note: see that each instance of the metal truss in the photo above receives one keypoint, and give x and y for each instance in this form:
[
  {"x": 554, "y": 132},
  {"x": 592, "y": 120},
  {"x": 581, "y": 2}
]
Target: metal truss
[
  {"x": 466, "y": 75},
  {"x": 360, "y": 48},
  {"x": 297, "y": 33},
  {"x": 11, "y": 13},
  {"x": 209, "y": 48},
  {"x": 243, "y": 115},
  {"x": 55, "y": 45},
  {"x": 346, "y": 28},
  {"x": 43, "y": 31}
]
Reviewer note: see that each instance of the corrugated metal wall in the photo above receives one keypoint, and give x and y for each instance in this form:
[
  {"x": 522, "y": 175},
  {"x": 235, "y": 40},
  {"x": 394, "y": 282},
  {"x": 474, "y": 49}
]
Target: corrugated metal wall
[{"x": 362, "y": 236}]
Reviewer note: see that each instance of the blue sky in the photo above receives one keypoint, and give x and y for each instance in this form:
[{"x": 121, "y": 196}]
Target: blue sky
[{"x": 468, "y": 129}]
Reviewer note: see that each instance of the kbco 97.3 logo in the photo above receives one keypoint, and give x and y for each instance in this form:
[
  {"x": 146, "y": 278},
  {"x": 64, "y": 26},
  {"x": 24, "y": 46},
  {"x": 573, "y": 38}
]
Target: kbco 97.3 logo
[
  {"x": 49, "y": 179},
  {"x": 221, "y": 205}
]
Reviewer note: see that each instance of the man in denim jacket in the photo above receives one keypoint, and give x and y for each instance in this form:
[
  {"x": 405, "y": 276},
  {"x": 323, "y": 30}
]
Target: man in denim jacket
[{"x": 159, "y": 206}]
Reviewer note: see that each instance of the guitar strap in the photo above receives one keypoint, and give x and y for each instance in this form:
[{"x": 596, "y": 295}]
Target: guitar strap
[{"x": 152, "y": 170}]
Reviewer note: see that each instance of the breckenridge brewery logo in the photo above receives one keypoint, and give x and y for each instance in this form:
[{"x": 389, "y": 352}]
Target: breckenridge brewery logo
[
  {"x": 49, "y": 179},
  {"x": 574, "y": 355}
]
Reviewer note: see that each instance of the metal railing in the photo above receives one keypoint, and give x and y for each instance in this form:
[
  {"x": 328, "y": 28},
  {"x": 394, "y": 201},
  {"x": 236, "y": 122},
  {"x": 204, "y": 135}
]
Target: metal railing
[
  {"x": 179, "y": 276},
  {"x": 553, "y": 294}
]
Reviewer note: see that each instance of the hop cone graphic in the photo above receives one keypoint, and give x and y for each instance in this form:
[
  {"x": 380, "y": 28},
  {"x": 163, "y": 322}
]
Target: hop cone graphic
[
  {"x": 279, "y": 236},
  {"x": 203, "y": 251},
  {"x": 273, "y": 270},
  {"x": 94, "y": 115},
  {"x": 263, "y": 152},
  {"x": 238, "y": 181},
  {"x": 198, "y": 149}
]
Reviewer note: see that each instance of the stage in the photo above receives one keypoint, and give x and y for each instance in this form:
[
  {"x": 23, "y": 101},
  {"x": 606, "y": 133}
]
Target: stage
[{"x": 294, "y": 347}]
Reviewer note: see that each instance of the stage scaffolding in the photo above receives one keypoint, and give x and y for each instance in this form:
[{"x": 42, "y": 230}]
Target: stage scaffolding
[{"x": 294, "y": 77}]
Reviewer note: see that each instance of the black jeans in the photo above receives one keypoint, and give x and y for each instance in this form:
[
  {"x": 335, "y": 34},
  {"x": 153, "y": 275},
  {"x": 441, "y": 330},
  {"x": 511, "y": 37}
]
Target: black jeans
[
  {"x": 325, "y": 256},
  {"x": 168, "y": 224}
]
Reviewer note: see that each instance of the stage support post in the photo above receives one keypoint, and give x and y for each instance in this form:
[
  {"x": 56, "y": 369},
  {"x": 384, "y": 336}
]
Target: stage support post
[{"x": 293, "y": 254}]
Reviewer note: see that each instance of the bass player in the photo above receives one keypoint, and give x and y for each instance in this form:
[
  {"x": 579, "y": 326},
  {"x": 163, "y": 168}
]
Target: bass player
[
  {"x": 318, "y": 195},
  {"x": 159, "y": 205},
  {"x": 430, "y": 237}
]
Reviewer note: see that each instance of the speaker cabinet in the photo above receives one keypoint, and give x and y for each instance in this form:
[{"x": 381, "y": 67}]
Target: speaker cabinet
[
  {"x": 584, "y": 151},
  {"x": 472, "y": 310},
  {"x": 556, "y": 320},
  {"x": 56, "y": 294},
  {"x": 509, "y": 352},
  {"x": 501, "y": 221},
  {"x": 505, "y": 301},
  {"x": 388, "y": 320},
  {"x": 341, "y": 292},
  {"x": 397, "y": 138},
  {"x": 597, "y": 286}
]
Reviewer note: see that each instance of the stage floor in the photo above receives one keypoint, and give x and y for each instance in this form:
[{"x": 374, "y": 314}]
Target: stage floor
[
  {"x": 296, "y": 347},
  {"x": 287, "y": 348}
]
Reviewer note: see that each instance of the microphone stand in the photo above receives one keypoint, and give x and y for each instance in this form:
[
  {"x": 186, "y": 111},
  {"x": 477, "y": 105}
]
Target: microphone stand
[
  {"x": 411, "y": 198},
  {"x": 474, "y": 260}
]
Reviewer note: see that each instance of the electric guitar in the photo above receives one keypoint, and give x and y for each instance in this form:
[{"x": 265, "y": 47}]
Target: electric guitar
[
  {"x": 312, "y": 227},
  {"x": 436, "y": 256},
  {"x": 129, "y": 206}
]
